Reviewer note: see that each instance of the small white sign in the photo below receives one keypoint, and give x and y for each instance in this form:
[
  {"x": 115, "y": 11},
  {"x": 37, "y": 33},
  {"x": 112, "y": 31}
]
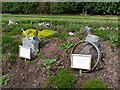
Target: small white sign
[
  {"x": 24, "y": 52},
  {"x": 81, "y": 61}
]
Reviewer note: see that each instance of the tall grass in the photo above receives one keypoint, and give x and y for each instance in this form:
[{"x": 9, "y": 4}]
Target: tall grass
[{"x": 107, "y": 35}]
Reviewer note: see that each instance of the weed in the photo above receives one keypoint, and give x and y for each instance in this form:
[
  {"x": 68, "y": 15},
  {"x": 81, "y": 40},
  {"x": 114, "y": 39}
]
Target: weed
[
  {"x": 16, "y": 30},
  {"x": 6, "y": 28},
  {"x": 66, "y": 46},
  {"x": 15, "y": 47},
  {"x": 3, "y": 50},
  {"x": 113, "y": 39},
  {"x": 107, "y": 36},
  {"x": 4, "y": 81},
  {"x": 94, "y": 83},
  {"x": 12, "y": 59},
  {"x": 6, "y": 39},
  {"x": 72, "y": 27},
  {"x": 41, "y": 55},
  {"x": 61, "y": 35},
  {"x": 47, "y": 62},
  {"x": 63, "y": 79}
]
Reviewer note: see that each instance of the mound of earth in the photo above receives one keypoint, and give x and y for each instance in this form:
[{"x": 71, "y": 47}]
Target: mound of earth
[
  {"x": 109, "y": 73},
  {"x": 33, "y": 76}
]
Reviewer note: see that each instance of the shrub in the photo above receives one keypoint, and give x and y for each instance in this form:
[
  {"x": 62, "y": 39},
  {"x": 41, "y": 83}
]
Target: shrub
[
  {"x": 94, "y": 83},
  {"x": 12, "y": 59},
  {"x": 63, "y": 79}
]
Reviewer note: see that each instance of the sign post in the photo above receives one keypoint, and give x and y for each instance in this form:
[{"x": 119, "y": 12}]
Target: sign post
[
  {"x": 81, "y": 61},
  {"x": 24, "y": 52}
]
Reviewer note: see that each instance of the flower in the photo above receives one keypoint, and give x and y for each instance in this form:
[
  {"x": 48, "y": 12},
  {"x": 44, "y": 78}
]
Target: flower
[{"x": 41, "y": 34}]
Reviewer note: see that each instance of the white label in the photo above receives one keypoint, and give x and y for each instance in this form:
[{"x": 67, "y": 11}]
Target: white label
[
  {"x": 81, "y": 61},
  {"x": 24, "y": 52}
]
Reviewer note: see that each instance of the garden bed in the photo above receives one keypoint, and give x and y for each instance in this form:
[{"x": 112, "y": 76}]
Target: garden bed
[
  {"x": 54, "y": 56},
  {"x": 33, "y": 75}
]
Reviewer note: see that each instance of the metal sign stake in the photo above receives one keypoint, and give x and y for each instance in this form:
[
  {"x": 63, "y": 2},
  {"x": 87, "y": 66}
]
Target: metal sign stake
[{"x": 80, "y": 72}]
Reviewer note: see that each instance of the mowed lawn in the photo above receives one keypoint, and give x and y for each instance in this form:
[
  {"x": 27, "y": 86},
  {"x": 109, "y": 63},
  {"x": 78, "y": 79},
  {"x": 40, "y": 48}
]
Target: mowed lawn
[{"x": 91, "y": 20}]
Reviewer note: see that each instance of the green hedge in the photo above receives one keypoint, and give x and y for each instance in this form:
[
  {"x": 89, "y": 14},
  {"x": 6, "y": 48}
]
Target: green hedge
[{"x": 99, "y": 8}]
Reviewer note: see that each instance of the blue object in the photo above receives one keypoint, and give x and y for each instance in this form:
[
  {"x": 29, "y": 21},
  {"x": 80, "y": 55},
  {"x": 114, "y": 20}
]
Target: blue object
[{"x": 36, "y": 41}]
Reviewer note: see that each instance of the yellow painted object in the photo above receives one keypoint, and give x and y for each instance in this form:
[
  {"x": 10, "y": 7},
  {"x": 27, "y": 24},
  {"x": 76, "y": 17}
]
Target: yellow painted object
[{"x": 41, "y": 34}]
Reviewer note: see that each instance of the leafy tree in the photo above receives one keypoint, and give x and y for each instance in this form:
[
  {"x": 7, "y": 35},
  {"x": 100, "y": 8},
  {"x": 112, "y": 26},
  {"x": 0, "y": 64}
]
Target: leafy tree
[{"x": 96, "y": 8}]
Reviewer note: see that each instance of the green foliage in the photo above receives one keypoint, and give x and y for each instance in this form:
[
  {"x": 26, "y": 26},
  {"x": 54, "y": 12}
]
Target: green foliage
[
  {"x": 113, "y": 38},
  {"x": 16, "y": 30},
  {"x": 61, "y": 35},
  {"x": 7, "y": 28},
  {"x": 19, "y": 7},
  {"x": 3, "y": 50},
  {"x": 107, "y": 35},
  {"x": 61, "y": 8},
  {"x": 15, "y": 47},
  {"x": 94, "y": 83},
  {"x": 4, "y": 81},
  {"x": 63, "y": 79},
  {"x": 12, "y": 59},
  {"x": 6, "y": 40},
  {"x": 1, "y": 81},
  {"x": 47, "y": 62},
  {"x": 66, "y": 46}
]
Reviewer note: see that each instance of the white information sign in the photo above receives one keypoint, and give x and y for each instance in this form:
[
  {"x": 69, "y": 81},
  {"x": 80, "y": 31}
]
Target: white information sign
[
  {"x": 81, "y": 61},
  {"x": 24, "y": 52}
]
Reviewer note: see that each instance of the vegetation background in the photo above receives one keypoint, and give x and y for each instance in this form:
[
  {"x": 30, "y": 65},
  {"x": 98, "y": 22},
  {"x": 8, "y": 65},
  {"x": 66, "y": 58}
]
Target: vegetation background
[{"x": 92, "y": 8}]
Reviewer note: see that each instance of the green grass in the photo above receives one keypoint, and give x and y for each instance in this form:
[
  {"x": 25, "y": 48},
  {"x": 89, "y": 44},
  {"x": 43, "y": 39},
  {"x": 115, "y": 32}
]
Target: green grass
[
  {"x": 15, "y": 47},
  {"x": 12, "y": 59},
  {"x": 60, "y": 35},
  {"x": 16, "y": 30},
  {"x": 6, "y": 39},
  {"x": 107, "y": 35},
  {"x": 9, "y": 43},
  {"x": 63, "y": 79},
  {"x": 94, "y": 83},
  {"x": 56, "y": 19},
  {"x": 4, "y": 81}
]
